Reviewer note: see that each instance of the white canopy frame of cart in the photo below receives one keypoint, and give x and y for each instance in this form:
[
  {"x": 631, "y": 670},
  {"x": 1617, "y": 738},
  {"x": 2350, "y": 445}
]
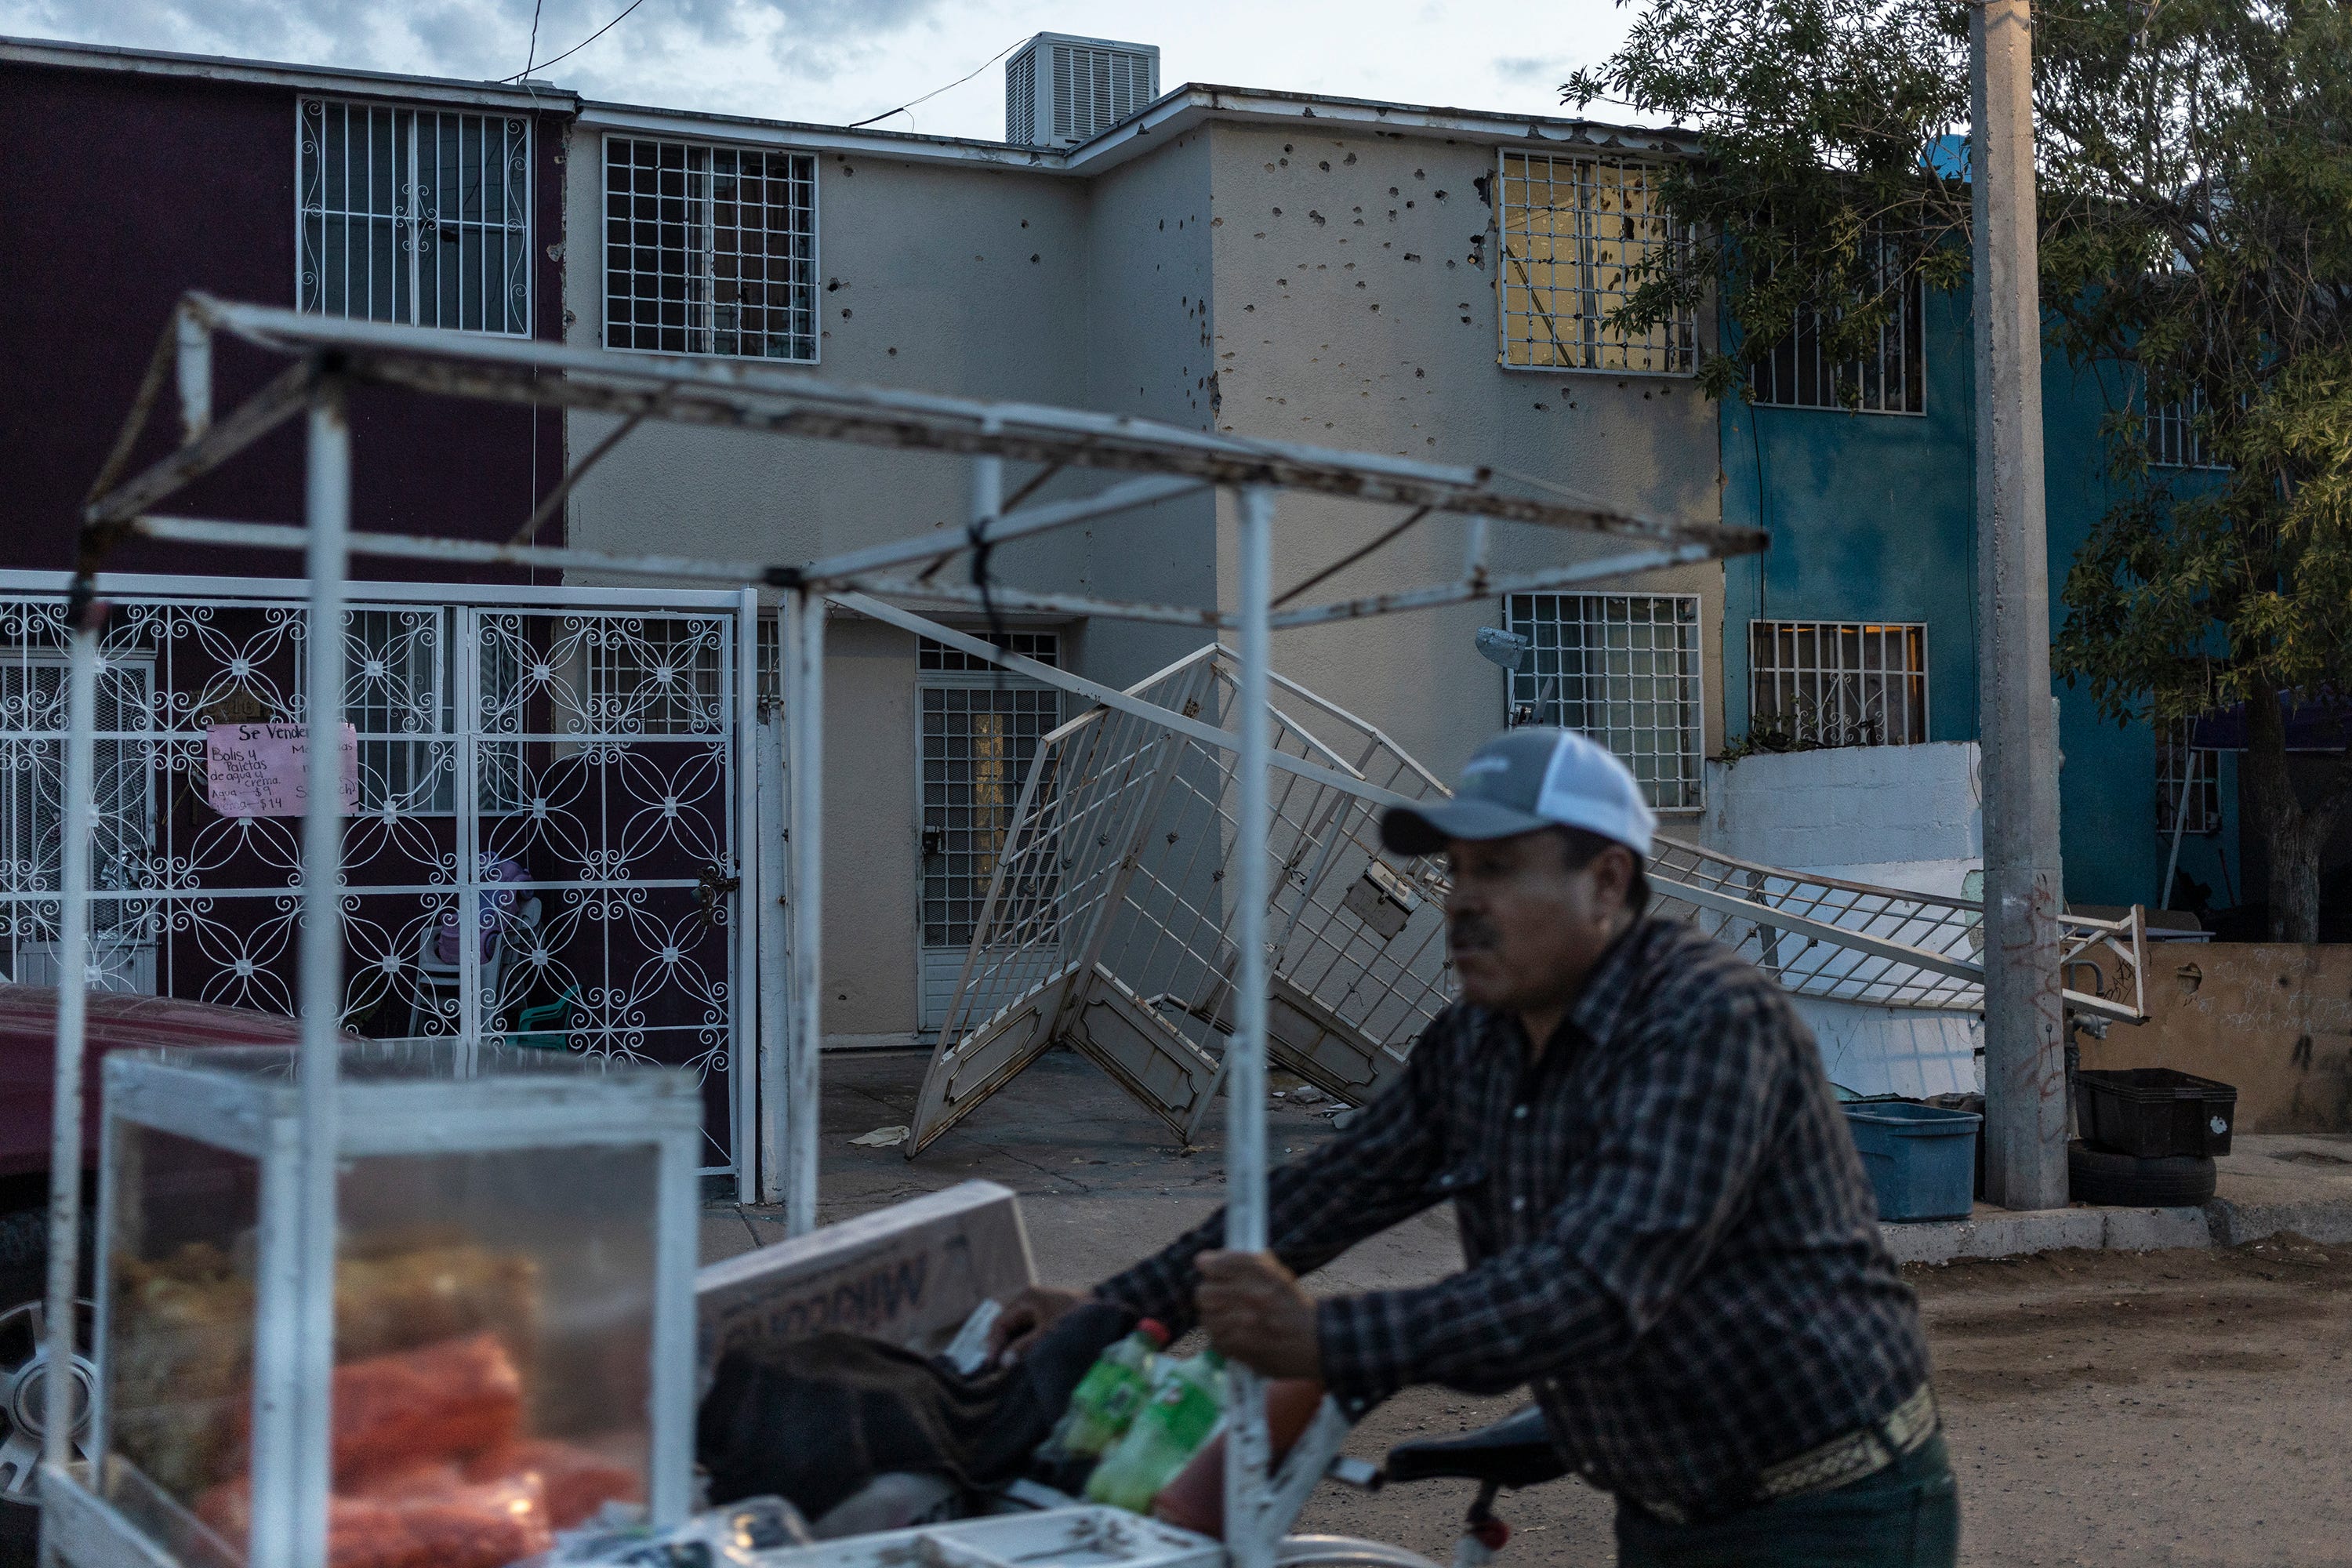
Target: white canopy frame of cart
[{"x": 325, "y": 356}]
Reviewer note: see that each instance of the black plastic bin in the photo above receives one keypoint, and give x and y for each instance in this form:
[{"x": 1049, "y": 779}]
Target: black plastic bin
[{"x": 2154, "y": 1113}]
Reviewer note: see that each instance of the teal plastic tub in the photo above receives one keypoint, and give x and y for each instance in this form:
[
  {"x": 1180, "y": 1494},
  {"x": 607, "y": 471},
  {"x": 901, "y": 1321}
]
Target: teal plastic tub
[{"x": 1922, "y": 1158}]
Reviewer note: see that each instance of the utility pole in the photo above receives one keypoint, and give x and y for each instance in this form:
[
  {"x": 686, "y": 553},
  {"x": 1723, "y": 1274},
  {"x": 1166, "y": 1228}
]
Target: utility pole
[{"x": 2024, "y": 1032}]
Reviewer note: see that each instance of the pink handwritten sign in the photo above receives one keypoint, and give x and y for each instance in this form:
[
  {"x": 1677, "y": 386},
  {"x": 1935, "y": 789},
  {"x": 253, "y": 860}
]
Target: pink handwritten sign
[{"x": 260, "y": 770}]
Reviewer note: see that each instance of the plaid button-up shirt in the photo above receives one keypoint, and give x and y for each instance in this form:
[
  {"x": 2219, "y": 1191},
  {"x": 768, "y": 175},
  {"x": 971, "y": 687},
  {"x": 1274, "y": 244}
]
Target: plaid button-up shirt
[{"x": 1668, "y": 1232}]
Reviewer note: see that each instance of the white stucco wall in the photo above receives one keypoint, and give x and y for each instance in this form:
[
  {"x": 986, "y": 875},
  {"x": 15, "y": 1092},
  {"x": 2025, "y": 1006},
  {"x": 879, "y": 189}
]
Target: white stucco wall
[{"x": 1354, "y": 310}]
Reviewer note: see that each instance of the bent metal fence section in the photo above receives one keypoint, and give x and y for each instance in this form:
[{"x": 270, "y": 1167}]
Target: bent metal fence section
[
  {"x": 554, "y": 769},
  {"x": 1107, "y": 927},
  {"x": 1103, "y": 926}
]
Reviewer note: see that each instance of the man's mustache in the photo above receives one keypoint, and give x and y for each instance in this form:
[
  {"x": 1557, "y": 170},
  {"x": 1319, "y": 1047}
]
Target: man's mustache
[{"x": 1472, "y": 934}]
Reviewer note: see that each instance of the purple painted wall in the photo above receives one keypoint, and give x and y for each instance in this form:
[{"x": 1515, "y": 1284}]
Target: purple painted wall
[{"x": 121, "y": 193}]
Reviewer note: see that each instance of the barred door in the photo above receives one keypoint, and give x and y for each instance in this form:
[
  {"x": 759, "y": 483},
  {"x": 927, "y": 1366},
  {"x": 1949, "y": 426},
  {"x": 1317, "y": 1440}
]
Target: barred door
[{"x": 979, "y": 739}]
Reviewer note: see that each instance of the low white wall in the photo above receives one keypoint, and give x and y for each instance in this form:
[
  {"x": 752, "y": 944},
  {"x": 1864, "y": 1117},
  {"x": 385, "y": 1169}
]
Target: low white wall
[
  {"x": 1852, "y": 808},
  {"x": 1897, "y": 817},
  {"x": 1895, "y": 1050}
]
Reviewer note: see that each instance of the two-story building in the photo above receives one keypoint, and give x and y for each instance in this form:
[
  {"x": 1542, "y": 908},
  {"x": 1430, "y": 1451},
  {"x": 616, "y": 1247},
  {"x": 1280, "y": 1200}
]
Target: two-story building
[{"x": 1375, "y": 276}]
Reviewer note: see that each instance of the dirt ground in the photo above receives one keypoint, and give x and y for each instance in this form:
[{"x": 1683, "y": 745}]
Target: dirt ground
[
  {"x": 2106, "y": 1408},
  {"x": 2155, "y": 1408}
]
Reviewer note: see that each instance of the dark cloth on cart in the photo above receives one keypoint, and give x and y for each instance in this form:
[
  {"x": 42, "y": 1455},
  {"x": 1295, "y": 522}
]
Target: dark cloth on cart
[
  {"x": 1668, "y": 1233},
  {"x": 813, "y": 1420}
]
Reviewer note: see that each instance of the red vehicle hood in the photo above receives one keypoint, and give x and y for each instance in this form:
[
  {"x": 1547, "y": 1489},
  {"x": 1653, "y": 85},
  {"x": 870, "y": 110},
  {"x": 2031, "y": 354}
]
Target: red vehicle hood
[{"x": 28, "y": 1034}]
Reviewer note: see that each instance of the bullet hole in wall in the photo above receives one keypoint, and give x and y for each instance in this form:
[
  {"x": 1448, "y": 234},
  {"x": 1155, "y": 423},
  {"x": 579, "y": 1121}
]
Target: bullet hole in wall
[
  {"x": 1441, "y": 196},
  {"x": 1024, "y": 223},
  {"x": 1278, "y": 212},
  {"x": 845, "y": 315},
  {"x": 1288, "y": 148},
  {"x": 1033, "y": 258},
  {"x": 1350, "y": 158},
  {"x": 1419, "y": 175},
  {"x": 894, "y": 353},
  {"x": 1393, "y": 190},
  {"x": 1324, "y": 165}
]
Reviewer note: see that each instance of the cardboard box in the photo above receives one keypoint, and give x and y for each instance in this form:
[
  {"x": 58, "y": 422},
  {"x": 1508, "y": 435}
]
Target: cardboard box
[{"x": 909, "y": 1274}]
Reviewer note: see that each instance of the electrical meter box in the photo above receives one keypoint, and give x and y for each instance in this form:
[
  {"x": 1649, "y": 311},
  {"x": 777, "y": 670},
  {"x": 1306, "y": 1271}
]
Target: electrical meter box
[{"x": 505, "y": 1336}]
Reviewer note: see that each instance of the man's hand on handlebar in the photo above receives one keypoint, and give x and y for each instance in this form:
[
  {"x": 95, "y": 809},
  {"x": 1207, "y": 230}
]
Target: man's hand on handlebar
[
  {"x": 1255, "y": 1313},
  {"x": 1031, "y": 1310}
]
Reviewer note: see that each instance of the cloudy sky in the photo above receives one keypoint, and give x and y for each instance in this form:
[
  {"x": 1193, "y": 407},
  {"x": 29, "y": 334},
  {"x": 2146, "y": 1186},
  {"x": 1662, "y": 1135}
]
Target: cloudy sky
[{"x": 836, "y": 61}]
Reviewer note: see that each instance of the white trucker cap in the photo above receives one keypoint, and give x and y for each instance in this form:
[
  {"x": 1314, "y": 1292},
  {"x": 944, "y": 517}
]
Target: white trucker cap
[{"x": 1524, "y": 780}]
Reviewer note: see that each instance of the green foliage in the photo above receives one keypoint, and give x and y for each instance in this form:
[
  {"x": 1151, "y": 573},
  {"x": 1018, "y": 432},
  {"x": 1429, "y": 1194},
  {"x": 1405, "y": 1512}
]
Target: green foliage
[
  {"x": 2195, "y": 195},
  {"x": 1817, "y": 115}
]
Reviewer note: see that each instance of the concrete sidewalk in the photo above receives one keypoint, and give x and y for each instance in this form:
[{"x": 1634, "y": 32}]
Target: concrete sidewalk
[
  {"x": 2269, "y": 1182},
  {"x": 1102, "y": 1181}
]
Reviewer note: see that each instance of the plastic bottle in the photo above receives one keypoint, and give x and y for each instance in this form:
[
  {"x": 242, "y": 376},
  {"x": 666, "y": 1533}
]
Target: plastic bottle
[
  {"x": 1187, "y": 1403},
  {"x": 1195, "y": 1499},
  {"x": 1104, "y": 1402}
]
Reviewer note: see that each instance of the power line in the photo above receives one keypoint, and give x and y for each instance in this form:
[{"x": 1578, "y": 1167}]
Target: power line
[
  {"x": 937, "y": 90},
  {"x": 530, "y": 55},
  {"x": 584, "y": 43}
]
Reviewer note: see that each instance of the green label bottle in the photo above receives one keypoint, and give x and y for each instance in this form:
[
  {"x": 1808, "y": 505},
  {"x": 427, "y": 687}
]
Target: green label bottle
[
  {"x": 1187, "y": 1403},
  {"x": 1106, "y": 1400}
]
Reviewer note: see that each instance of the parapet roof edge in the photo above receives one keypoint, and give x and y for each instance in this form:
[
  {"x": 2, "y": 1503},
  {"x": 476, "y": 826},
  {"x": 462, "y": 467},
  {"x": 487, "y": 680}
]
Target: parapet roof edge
[
  {"x": 1171, "y": 114},
  {"x": 68, "y": 55}
]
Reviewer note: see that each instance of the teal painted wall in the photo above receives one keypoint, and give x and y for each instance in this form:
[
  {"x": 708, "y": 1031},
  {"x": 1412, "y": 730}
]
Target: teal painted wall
[{"x": 1871, "y": 517}]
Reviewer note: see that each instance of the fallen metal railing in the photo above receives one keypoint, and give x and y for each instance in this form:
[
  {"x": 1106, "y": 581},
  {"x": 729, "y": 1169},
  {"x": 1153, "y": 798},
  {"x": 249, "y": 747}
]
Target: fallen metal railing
[{"x": 1105, "y": 927}]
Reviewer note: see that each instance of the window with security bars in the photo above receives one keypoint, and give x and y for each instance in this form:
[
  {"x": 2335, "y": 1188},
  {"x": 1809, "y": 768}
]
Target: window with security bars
[
  {"x": 710, "y": 250},
  {"x": 1837, "y": 683},
  {"x": 1624, "y": 669},
  {"x": 1045, "y": 648},
  {"x": 2178, "y": 763},
  {"x": 413, "y": 216},
  {"x": 2176, "y": 435},
  {"x": 1576, "y": 233},
  {"x": 1890, "y": 380},
  {"x": 978, "y": 742}
]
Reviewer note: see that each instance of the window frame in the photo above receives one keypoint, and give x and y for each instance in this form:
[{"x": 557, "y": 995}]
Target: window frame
[
  {"x": 1688, "y": 326},
  {"x": 1913, "y": 304},
  {"x": 528, "y": 305},
  {"x": 2179, "y": 417},
  {"x": 2204, "y": 817},
  {"x": 604, "y": 242},
  {"x": 1911, "y": 633},
  {"x": 1690, "y": 750}
]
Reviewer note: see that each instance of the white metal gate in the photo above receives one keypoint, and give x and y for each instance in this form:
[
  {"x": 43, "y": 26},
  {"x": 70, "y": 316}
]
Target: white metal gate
[{"x": 554, "y": 769}]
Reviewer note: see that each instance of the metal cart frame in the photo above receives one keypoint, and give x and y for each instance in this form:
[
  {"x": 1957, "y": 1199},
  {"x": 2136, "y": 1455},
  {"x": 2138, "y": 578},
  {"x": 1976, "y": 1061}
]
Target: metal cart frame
[{"x": 325, "y": 356}]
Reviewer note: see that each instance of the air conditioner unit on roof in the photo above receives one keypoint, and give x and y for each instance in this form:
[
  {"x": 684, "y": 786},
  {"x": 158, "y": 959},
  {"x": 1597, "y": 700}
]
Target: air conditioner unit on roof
[{"x": 1060, "y": 90}]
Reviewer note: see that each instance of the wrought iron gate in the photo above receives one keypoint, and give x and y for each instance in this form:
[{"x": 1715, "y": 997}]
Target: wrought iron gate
[{"x": 556, "y": 772}]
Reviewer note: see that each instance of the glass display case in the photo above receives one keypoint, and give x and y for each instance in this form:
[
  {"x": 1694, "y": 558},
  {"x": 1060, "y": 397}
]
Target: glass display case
[{"x": 511, "y": 1304}]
